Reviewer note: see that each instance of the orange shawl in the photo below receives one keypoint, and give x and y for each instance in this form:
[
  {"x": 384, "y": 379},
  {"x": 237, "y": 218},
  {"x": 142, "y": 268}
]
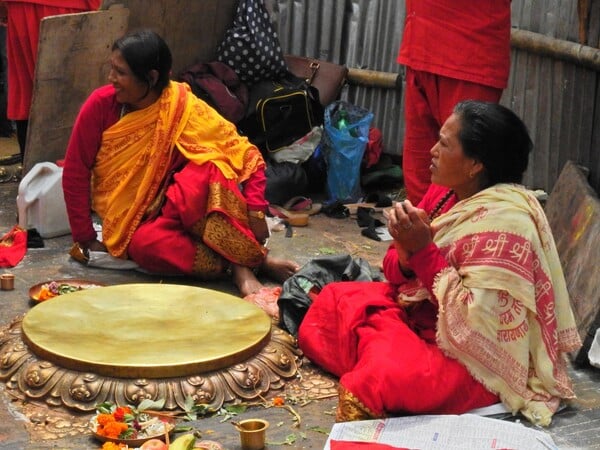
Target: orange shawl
[{"x": 133, "y": 162}]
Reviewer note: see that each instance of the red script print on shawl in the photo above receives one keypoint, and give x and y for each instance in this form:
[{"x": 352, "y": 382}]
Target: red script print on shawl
[{"x": 514, "y": 253}]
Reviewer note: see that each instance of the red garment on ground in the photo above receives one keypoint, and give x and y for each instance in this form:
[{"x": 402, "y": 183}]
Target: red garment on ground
[
  {"x": 24, "y": 17},
  {"x": 13, "y": 246},
  {"x": 384, "y": 354},
  {"x": 452, "y": 51}
]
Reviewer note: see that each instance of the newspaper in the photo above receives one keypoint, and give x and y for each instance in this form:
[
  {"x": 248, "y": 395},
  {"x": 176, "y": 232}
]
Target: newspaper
[{"x": 448, "y": 432}]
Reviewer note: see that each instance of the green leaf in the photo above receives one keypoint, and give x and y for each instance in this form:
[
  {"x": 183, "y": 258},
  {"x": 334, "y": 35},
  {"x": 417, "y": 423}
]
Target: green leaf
[
  {"x": 236, "y": 409},
  {"x": 327, "y": 251},
  {"x": 189, "y": 403},
  {"x": 106, "y": 408},
  {"x": 155, "y": 405},
  {"x": 290, "y": 439},
  {"x": 319, "y": 430}
]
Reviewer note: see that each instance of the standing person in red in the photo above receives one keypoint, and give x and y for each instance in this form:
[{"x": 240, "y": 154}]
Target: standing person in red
[
  {"x": 23, "y": 19},
  {"x": 453, "y": 50}
]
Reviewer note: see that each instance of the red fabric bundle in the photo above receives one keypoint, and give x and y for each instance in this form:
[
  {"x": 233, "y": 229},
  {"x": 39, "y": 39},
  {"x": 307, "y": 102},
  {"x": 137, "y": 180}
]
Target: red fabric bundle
[{"x": 13, "y": 246}]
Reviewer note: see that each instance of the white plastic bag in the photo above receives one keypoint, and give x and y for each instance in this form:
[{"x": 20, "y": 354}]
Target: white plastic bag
[
  {"x": 594, "y": 353},
  {"x": 40, "y": 201}
]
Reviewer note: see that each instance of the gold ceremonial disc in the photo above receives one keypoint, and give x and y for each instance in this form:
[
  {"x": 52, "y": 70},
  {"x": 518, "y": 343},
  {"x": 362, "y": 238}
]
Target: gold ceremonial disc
[{"x": 146, "y": 330}]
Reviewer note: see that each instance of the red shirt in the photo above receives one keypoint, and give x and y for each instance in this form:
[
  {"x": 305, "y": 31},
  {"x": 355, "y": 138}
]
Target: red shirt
[{"x": 463, "y": 39}]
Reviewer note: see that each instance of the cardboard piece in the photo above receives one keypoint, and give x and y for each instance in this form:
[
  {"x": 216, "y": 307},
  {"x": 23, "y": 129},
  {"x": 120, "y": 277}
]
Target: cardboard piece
[{"x": 573, "y": 210}]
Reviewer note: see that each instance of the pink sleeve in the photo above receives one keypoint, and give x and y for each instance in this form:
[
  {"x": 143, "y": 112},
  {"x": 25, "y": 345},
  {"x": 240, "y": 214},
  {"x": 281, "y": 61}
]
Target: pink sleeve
[
  {"x": 254, "y": 191},
  {"x": 427, "y": 263},
  {"x": 97, "y": 113},
  {"x": 391, "y": 267}
]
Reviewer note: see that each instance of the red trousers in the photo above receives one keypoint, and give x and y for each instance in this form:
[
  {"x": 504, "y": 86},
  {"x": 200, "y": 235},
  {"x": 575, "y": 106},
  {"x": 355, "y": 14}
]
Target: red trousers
[
  {"x": 22, "y": 46},
  {"x": 428, "y": 101}
]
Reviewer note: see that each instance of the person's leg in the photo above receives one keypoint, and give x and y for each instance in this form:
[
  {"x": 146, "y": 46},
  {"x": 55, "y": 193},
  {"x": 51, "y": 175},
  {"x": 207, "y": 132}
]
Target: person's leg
[
  {"x": 327, "y": 333},
  {"x": 22, "y": 135},
  {"x": 6, "y": 128},
  {"x": 205, "y": 216},
  {"x": 420, "y": 134},
  {"x": 451, "y": 91},
  {"x": 397, "y": 372},
  {"x": 162, "y": 246}
]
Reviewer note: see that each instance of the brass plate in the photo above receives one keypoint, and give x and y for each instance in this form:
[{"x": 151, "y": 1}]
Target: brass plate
[
  {"x": 169, "y": 424},
  {"x": 146, "y": 330},
  {"x": 82, "y": 284}
]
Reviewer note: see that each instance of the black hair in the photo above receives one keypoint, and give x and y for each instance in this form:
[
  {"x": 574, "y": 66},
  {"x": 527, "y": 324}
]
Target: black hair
[
  {"x": 144, "y": 51},
  {"x": 495, "y": 136}
]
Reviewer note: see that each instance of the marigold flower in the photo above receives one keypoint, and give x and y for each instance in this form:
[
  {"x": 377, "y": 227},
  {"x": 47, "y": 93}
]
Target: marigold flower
[
  {"x": 278, "y": 401},
  {"x": 120, "y": 413},
  {"x": 112, "y": 446},
  {"x": 103, "y": 419},
  {"x": 112, "y": 429}
]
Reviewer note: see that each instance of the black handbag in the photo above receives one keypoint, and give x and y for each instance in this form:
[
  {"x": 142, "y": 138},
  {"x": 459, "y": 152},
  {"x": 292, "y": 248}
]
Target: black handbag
[{"x": 281, "y": 112}]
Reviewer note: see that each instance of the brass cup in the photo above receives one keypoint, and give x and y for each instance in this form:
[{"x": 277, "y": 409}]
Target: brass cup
[
  {"x": 7, "y": 281},
  {"x": 253, "y": 433}
]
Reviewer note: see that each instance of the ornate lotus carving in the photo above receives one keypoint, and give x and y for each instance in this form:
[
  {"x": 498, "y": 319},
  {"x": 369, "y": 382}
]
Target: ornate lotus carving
[{"x": 29, "y": 377}]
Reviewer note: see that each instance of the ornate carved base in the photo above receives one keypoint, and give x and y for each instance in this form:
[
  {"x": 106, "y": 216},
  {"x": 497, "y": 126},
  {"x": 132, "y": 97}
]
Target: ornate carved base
[{"x": 28, "y": 377}]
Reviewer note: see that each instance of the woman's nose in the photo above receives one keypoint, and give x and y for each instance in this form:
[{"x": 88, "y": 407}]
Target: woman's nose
[{"x": 433, "y": 150}]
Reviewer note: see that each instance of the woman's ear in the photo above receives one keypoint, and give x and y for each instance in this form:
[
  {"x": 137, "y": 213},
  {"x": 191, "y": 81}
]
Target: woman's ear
[
  {"x": 476, "y": 169},
  {"x": 153, "y": 77}
]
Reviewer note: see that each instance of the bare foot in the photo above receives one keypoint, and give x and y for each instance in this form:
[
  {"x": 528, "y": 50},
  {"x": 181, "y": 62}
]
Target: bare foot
[
  {"x": 245, "y": 280},
  {"x": 279, "y": 269}
]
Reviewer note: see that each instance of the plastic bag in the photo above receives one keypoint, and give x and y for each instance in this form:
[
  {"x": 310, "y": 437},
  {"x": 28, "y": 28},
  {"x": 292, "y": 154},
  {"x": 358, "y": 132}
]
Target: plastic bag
[{"x": 345, "y": 137}]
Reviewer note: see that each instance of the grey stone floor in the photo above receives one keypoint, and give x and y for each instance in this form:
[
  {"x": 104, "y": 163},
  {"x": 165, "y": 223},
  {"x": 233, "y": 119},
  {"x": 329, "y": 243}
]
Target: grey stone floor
[{"x": 576, "y": 427}]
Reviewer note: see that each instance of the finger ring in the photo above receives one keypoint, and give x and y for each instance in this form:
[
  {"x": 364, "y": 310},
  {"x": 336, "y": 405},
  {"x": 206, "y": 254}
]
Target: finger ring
[{"x": 407, "y": 226}]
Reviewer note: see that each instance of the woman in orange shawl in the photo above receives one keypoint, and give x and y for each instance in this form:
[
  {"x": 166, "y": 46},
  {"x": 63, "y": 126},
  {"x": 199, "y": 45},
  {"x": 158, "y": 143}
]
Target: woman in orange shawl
[
  {"x": 475, "y": 308},
  {"x": 178, "y": 190}
]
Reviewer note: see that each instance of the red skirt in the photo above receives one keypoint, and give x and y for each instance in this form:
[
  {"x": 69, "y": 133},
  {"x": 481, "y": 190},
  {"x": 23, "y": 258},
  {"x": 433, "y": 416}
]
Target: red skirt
[{"x": 386, "y": 356}]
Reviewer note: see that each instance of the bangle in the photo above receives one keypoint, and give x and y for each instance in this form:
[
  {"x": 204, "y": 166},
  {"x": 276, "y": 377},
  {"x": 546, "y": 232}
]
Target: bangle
[{"x": 257, "y": 214}]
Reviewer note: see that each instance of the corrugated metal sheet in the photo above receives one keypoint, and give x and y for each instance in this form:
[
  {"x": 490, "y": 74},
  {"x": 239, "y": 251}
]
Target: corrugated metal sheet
[{"x": 559, "y": 101}]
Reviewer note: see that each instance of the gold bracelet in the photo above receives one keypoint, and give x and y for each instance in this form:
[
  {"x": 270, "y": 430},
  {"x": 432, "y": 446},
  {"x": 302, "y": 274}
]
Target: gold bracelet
[{"x": 257, "y": 214}]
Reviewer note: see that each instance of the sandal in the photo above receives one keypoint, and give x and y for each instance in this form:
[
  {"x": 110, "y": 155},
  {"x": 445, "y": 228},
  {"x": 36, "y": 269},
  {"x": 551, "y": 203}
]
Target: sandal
[
  {"x": 293, "y": 218},
  {"x": 336, "y": 210},
  {"x": 302, "y": 205}
]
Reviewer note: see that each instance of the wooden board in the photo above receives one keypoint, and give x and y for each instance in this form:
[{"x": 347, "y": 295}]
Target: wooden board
[
  {"x": 573, "y": 210},
  {"x": 72, "y": 61}
]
